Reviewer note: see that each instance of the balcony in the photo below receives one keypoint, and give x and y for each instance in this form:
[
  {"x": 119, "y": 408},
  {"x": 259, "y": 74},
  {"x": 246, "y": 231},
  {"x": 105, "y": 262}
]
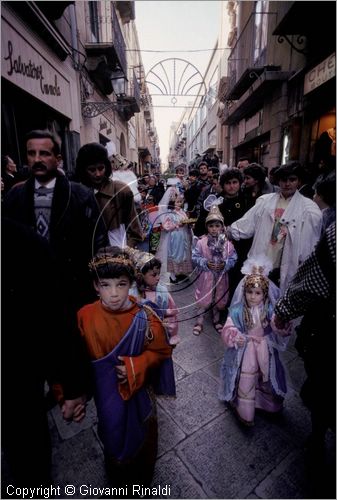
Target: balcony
[
  {"x": 254, "y": 97},
  {"x": 107, "y": 57},
  {"x": 147, "y": 114},
  {"x": 126, "y": 10},
  {"x": 244, "y": 67}
]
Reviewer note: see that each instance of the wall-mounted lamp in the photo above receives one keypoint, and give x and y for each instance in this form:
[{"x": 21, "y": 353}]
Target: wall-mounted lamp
[
  {"x": 119, "y": 84},
  {"x": 120, "y": 87}
]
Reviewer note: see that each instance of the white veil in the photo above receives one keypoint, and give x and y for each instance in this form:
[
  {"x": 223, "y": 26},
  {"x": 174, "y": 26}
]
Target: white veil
[{"x": 161, "y": 253}]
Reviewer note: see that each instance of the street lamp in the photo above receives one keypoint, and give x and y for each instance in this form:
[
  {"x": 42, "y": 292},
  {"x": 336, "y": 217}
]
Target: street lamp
[{"x": 119, "y": 84}]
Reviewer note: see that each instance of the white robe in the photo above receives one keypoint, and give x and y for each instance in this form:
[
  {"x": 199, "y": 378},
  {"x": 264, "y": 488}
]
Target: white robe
[{"x": 303, "y": 219}]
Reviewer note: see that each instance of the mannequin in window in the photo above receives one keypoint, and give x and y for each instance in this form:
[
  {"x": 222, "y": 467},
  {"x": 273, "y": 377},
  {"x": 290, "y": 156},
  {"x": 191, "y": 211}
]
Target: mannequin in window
[{"x": 326, "y": 148}]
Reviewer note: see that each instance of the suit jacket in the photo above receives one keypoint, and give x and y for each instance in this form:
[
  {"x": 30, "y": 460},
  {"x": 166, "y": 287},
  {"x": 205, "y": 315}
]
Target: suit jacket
[{"x": 74, "y": 236}]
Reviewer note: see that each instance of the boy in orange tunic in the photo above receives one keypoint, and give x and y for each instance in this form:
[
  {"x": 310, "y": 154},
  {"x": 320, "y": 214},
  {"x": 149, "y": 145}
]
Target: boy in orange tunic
[{"x": 131, "y": 358}]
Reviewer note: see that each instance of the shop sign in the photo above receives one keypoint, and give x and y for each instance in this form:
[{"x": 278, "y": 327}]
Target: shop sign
[
  {"x": 29, "y": 70},
  {"x": 320, "y": 74}
]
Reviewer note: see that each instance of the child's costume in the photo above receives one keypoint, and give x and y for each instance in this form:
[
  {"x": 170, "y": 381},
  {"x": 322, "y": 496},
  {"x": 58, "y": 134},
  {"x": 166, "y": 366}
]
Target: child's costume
[
  {"x": 176, "y": 238},
  {"x": 212, "y": 286},
  {"x": 252, "y": 376},
  {"x": 126, "y": 411},
  {"x": 160, "y": 296}
]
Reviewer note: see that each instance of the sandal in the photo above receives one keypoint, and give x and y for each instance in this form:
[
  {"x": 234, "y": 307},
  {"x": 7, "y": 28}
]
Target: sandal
[
  {"x": 218, "y": 327},
  {"x": 197, "y": 329}
]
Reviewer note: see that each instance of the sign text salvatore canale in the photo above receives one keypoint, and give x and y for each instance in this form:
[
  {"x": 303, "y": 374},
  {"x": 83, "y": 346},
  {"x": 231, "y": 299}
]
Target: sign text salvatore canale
[{"x": 30, "y": 70}]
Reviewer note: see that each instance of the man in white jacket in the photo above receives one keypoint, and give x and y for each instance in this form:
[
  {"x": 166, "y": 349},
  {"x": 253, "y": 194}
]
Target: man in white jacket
[{"x": 285, "y": 226}]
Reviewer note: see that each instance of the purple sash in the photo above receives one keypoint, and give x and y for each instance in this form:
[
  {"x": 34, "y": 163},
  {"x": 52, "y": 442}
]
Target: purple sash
[{"x": 122, "y": 424}]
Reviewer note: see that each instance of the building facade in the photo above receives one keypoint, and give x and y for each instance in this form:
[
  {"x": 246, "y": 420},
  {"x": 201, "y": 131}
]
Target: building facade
[
  {"x": 74, "y": 68},
  {"x": 279, "y": 94}
]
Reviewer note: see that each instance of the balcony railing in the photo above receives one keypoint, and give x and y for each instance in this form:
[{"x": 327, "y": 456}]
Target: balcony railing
[
  {"x": 245, "y": 53},
  {"x": 134, "y": 92},
  {"x": 111, "y": 38},
  {"x": 118, "y": 41}
]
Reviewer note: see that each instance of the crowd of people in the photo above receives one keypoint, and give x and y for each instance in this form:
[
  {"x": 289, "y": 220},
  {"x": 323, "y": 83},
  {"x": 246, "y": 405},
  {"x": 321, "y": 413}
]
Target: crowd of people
[{"x": 94, "y": 258}]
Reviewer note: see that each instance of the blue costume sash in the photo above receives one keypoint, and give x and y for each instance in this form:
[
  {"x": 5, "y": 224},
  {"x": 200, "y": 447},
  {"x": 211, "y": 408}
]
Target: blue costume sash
[{"x": 122, "y": 424}]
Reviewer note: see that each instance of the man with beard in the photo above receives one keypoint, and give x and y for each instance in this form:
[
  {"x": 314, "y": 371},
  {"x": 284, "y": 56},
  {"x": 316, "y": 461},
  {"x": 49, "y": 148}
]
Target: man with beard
[{"x": 65, "y": 213}]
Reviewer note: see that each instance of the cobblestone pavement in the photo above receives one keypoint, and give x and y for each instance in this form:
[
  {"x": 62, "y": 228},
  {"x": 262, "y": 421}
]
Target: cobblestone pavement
[{"x": 203, "y": 451}]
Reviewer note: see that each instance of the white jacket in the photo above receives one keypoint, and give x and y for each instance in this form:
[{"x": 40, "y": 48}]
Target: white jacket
[{"x": 303, "y": 219}]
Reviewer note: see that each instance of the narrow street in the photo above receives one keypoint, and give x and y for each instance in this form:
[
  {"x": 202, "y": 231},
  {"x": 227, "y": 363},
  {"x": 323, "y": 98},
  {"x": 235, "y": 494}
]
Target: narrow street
[{"x": 203, "y": 451}]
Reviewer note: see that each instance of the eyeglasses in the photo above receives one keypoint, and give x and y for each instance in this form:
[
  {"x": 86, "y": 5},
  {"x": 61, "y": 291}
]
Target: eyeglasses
[{"x": 94, "y": 168}]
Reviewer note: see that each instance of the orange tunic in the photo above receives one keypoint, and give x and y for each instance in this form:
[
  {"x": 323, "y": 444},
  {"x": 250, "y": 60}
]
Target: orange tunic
[{"x": 103, "y": 329}]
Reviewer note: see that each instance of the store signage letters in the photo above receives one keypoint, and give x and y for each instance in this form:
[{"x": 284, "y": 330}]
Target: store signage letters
[
  {"x": 320, "y": 74},
  {"x": 30, "y": 70}
]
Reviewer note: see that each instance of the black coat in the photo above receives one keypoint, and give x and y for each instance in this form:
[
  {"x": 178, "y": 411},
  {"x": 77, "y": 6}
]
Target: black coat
[
  {"x": 157, "y": 192},
  {"x": 39, "y": 341},
  {"x": 191, "y": 196},
  {"x": 74, "y": 237}
]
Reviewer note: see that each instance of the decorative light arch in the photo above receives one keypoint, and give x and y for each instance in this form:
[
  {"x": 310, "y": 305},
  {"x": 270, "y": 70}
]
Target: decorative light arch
[{"x": 175, "y": 77}]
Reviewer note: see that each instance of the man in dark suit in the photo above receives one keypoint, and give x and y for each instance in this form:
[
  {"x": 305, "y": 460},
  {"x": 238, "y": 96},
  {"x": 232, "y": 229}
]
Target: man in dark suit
[{"x": 65, "y": 213}]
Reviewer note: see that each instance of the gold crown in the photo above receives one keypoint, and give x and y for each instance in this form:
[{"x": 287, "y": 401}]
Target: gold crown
[
  {"x": 107, "y": 259},
  {"x": 139, "y": 258},
  {"x": 257, "y": 280}
]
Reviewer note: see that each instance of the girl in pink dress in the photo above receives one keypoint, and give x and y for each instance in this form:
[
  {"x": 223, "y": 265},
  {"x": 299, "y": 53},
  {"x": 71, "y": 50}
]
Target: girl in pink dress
[
  {"x": 213, "y": 255},
  {"x": 252, "y": 375}
]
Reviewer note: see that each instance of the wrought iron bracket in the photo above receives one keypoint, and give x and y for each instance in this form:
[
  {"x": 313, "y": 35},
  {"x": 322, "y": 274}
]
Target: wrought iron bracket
[
  {"x": 299, "y": 40},
  {"x": 92, "y": 109}
]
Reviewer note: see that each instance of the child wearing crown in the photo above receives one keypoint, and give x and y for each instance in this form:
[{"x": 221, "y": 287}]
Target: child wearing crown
[
  {"x": 131, "y": 359},
  {"x": 213, "y": 255},
  {"x": 148, "y": 287},
  {"x": 252, "y": 375}
]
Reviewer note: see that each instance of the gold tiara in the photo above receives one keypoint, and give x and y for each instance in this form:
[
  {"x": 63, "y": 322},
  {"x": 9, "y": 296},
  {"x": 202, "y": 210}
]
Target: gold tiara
[
  {"x": 257, "y": 280},
  {"x": 107, "y": 259}
]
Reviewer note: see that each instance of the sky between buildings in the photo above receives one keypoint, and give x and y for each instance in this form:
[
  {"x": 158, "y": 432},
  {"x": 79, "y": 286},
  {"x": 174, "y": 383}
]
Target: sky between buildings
[{"x": 175, "y": 26}]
